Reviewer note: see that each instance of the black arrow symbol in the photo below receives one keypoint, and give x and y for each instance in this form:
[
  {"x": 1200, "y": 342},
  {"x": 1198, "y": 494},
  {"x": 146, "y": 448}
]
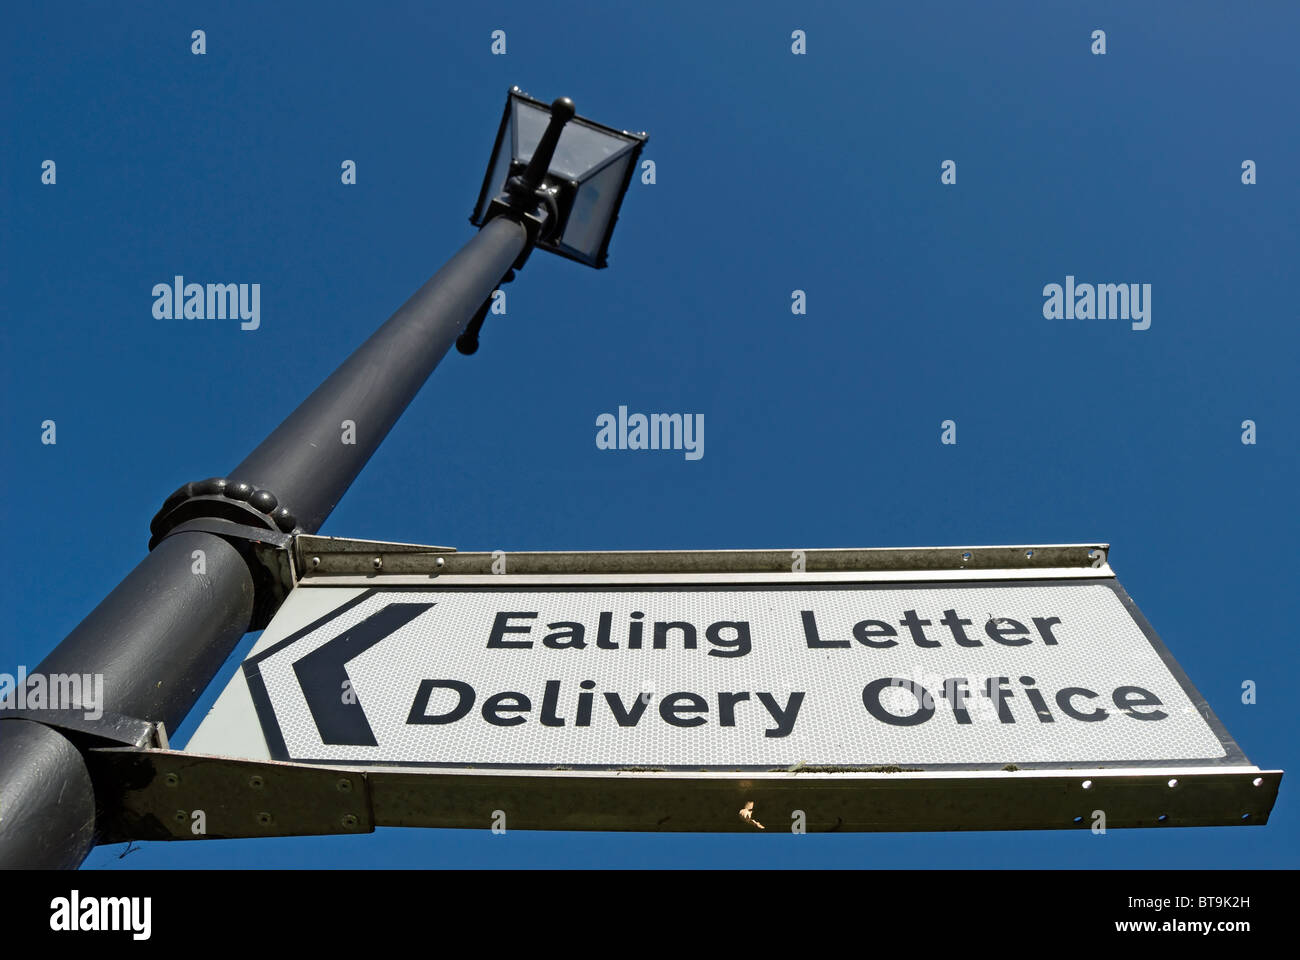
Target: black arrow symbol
[{"x": 323, "y": 674}]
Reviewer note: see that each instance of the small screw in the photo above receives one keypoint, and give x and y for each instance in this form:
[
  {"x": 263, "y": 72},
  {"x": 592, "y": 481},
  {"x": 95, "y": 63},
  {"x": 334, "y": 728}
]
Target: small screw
[
  {"x": 315, "y": 561},
  {"x": 344, "y": 785},
  {"x": 263, "y": 818},
  {"x": 349, "y": 820},
  {"x": 377, "y": 562},
  {"x": 440, "y": 562},
  {"x": 172, "y": 780},
  {"x": 255, "y": 783},
  {"x": 180, "y": 816}
]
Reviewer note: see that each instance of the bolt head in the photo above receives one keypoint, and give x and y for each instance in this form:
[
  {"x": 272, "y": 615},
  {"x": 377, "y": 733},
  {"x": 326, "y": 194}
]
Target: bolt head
[
  {"x": 264, "y": 500},
  {"x": 211, "y": 486}
]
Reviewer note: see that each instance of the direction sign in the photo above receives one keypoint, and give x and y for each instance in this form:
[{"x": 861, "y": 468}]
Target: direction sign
[
  {"x": 976, "y": 675},
  {"x": 918, "y": 663}
]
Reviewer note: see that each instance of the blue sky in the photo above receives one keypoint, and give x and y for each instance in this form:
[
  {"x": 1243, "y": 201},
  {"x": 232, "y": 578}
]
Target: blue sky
[{"x": 774, "y": 172}]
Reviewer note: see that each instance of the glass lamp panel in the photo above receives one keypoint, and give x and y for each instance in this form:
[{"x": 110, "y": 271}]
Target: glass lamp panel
[
  {"x": 529, "y": 124},
  {"x": 582, "y": 147},
  {"x": 500, "y": 170},
  {"x": 594, "y": 206},
  {"x": 498, "y": 166}
]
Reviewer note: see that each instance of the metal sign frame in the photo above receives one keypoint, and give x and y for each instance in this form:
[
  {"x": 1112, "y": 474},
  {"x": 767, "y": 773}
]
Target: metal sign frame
[{"x": 150, "y": 789}]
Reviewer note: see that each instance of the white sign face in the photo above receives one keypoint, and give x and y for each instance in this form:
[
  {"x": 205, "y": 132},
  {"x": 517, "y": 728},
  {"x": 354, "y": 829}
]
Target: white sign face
[{"x": 977, "y": 674}]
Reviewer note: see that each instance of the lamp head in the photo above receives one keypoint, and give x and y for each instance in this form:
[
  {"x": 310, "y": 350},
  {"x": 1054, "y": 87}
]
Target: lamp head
[{"x": 563, "y": 175}]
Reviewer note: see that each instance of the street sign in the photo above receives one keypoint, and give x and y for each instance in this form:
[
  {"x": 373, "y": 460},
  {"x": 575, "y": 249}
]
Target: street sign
[
  {"x": 976, "y": 674},
  {"x": 1010, "y": 663}
]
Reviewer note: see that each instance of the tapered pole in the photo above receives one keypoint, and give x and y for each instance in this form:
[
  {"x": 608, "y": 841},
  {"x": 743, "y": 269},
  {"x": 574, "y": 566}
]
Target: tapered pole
[
  {"x": 159, "y": 638},
  {"x": 374, "y": 385}
]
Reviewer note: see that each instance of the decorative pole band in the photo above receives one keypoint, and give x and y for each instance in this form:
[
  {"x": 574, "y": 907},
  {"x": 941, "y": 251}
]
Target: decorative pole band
[{"x": 222, "y": 499}]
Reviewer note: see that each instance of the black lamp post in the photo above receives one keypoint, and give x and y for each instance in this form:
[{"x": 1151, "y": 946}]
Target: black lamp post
[{"x": 556, "y": 182}]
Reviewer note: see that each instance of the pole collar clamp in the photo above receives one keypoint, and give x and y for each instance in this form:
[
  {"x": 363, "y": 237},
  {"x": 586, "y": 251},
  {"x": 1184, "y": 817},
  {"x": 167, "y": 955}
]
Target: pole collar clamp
[
  {"x": 250, "y": 520},
  {"x": 221, "y": 499}
]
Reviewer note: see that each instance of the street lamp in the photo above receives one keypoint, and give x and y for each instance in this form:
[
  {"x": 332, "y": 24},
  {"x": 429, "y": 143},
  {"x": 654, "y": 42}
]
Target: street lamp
[
  {"x": 556, "y": 181},
  {"x": 562, "y": 176},
  {"x": 580, "y": 169}
]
